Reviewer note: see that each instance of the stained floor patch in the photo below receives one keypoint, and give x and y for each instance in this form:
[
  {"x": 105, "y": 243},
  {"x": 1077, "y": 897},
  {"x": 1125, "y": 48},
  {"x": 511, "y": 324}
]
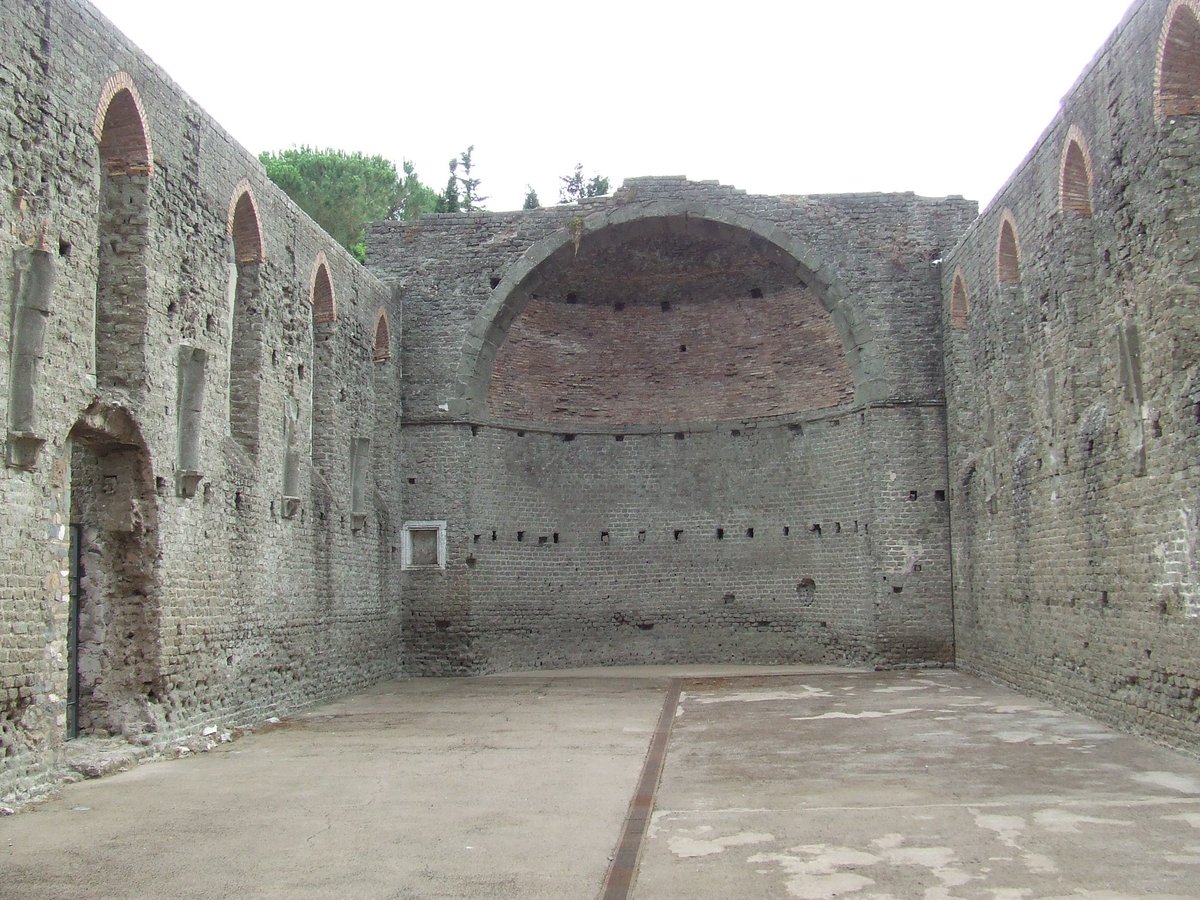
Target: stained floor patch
[{"x": 932, "y": 785}]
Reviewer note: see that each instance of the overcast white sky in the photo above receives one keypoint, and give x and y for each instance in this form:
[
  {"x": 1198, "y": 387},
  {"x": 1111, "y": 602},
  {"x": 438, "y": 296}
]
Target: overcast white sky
[{"x": 813, "y": 96}]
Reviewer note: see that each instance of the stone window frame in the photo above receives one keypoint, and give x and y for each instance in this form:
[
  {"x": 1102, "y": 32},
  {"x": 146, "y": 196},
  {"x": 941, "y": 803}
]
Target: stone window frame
[{"x": 406, "y": 547}]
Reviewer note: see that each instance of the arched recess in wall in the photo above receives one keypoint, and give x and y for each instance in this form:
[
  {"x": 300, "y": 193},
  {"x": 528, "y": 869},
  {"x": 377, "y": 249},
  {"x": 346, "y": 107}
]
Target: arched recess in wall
[
  {"x": 1008, "y": 251},
  {"x": 123, "y": 227},
  {"x": 114, "y": 646},
  {"x": 324, "y": 322},
  {"x": 548, "y": 264},
  {"x": 381, "y": 350},
  {"x": 384, "y": 401},
  {"x": 245, "y": 349},
  {"x": 1177, "y": 75},
  {"x": 1075, "y": 176},
  {"x": 960, "y": 306}
]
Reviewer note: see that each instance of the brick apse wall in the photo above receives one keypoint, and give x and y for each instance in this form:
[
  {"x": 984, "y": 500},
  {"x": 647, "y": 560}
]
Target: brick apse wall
[
  {"x": 1073, "y": 385},
  {"x": 224, "y": 576},
  {"x": 680, "y": 424}
]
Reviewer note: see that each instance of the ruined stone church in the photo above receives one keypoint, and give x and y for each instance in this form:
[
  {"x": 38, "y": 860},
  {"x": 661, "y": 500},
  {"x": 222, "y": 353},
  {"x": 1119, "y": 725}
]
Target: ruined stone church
[{"x": 680, "y": 424}]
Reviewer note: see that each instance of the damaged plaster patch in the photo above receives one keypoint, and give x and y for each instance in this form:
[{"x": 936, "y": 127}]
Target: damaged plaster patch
[
  {"x": 1192, "y": 819},
  {"x": 1172, "y": 781},
  {"x": 1040, "y": 864},
  {"x": 689, "y": 844},
  {"x": 805, "y": 692},
  {"x": 815, "y": 875},
  {"x": 900, "y": 689},
  {"x": 1191, "y": 858},
  {"x": 870, "y": 714},
  {"x": 1037, "y": 738},
  {"x": 815, "y": 869},
  {"x": 1060, "y": 821},
  {"x": 1006, "y": 827}
]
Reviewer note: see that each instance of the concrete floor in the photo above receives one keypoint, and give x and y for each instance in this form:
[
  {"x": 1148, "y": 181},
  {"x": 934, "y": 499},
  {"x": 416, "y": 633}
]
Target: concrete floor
[{"x": 815, "y": 785}]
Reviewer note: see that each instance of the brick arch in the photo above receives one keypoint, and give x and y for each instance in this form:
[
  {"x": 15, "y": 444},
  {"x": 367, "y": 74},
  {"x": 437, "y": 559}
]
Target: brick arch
[
  {"x": 1177, "y": 69},
  {"x": 554, "y": 253},
  {"x": 960, "y": 304},
  {"x": 321, "y": 294},
  {"x": 382, "y": 349},
  {"x": 121, "y": 128},
  {"x": 1075, "y": 175},
  {"x": 246, "y": 345},
  {"x": 1008, "y": 251},
  {"x": 244, "y": 225}
]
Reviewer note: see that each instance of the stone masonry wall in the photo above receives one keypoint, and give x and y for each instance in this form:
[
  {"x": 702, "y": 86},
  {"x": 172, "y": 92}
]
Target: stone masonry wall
[
  {"x": 1073, "y": 392},
  {"x": 678, "y": 424},
  {"x": 818, "y": 536},
  {"x": 244, "y": 603}
]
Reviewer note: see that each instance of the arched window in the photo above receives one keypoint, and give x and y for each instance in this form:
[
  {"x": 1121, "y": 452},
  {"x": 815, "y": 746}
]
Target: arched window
[
  {"x": 382, "y": 350},
  {"x": 1075, "y": 181},
  {"x": 324, "y": 363},
  {"x": 121, "y": 130},
  {"x": 959, "y": 305},
  {"x": 1177, "y": 87},
  {"x": 245, "y": 349},
  {"x": 1008, "y": 251},
  {"x": 324, "y": 303},
  {"x": 126, "y": 163}
]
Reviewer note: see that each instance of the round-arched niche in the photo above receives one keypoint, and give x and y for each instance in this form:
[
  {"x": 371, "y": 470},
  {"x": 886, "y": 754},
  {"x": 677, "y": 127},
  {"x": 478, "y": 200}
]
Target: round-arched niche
[{"x": 661, "y": 319}]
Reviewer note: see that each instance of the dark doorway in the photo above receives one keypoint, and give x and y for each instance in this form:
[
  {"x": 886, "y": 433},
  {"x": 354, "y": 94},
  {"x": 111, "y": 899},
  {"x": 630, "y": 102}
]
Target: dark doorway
[{"x": 114, "y": 644}]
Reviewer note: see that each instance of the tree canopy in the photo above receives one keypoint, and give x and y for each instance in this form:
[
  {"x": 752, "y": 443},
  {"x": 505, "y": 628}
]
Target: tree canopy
[
  {"x": 462, "y": 190},
  {"x": 342, "y": 191},
  {"x": 575, "y": 188}
]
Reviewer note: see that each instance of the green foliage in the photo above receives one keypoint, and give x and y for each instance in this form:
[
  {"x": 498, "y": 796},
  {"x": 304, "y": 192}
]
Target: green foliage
[
  {"x": 531, "y": 198},
  {"x": 342, "y": 191},
  {"x": 462, "y": 189},
  {"x": 574, "y": 188},
  {"x": 448, "y": 200},
  {"x": 415, "y": 197}
]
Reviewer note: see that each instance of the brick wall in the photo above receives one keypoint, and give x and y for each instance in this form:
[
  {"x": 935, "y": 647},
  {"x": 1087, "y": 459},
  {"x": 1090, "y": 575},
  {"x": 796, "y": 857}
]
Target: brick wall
[
  {"x": 1072, "y": 391},
  {"x": 667, "y": 331},
  {"x": 779, "y": 496},
  {"x": 229, "y": 603}
]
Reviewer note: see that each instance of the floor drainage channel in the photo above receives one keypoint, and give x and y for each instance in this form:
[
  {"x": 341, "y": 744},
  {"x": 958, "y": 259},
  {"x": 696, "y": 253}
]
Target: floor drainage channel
[
  {"x": 618, "y": 883},
  {"x": 622, "y": 871}
]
